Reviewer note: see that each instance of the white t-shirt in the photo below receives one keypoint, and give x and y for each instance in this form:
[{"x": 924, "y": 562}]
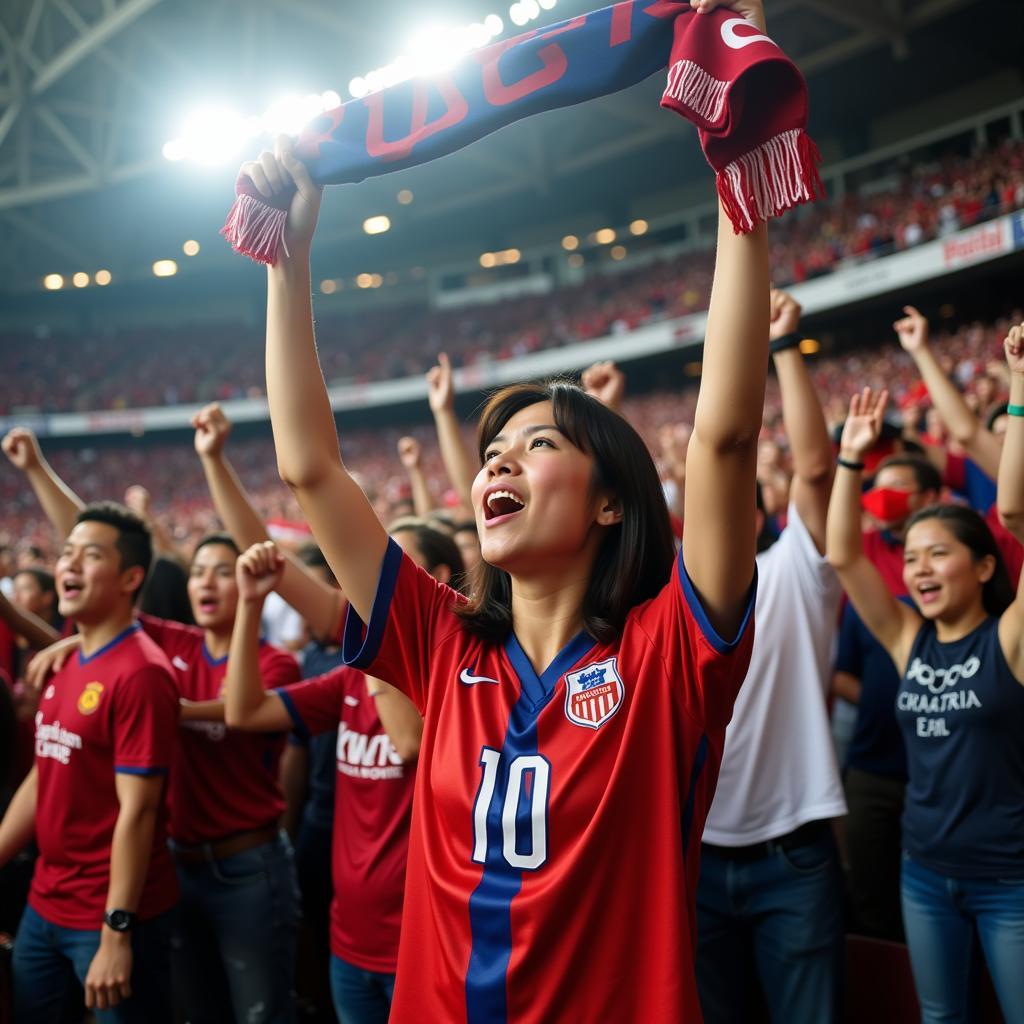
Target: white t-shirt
[
  {"x": 281, "y": 624},
  {"x": 779, "y": 767}
]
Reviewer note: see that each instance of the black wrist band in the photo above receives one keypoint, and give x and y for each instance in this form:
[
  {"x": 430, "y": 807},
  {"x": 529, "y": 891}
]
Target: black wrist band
[
  {"x": 847, "y": 464},
  {"x": 791, "y": 340}
]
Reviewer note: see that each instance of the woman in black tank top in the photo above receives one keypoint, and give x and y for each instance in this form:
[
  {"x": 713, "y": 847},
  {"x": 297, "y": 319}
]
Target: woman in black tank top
[{"x": 960, "y": 651}]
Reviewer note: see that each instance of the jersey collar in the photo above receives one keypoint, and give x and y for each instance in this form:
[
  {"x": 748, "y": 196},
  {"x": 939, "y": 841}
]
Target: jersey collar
[
  {"x": 84, "y": 659},
  {"x": 538, "y": 689}
]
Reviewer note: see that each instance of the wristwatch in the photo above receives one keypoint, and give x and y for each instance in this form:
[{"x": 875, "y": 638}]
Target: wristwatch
[{"x": 119, "y": 920}]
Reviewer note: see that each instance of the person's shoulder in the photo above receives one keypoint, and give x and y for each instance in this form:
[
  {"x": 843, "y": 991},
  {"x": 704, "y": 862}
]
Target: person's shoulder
[{"x": 144, "y": 653}]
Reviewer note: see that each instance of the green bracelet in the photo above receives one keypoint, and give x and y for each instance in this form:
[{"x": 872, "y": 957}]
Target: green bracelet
[{"x": 1015, "y": 410}]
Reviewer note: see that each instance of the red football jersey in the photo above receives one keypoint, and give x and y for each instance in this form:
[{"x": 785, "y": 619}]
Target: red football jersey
[
  {"x": 555, "y": 839},
  {"x": 115, "y": 711},
  {"x": 372, "y": 807},
  {"x": 224, "y": 781}
]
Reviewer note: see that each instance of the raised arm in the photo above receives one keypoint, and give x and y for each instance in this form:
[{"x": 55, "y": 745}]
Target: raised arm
[
  {"x": 964, "y": 427},
  {"x": 719, "y": 541},
  {"x": 138, "y": 499},
  {"x": 60, "y": 504},
  {"x": 892, "y": 623},
  {"x": 804, "y": 420},
  {"x": 321, "y": 605},
  {"x": 1010, "y": 496},
  {"x": 605, "y": 382},
  {"x": 305, "y": 437},
  {"x": 410, "y": 454},
  {"x": 247, "y": 705},
  {"x": 460, "y": 463}
]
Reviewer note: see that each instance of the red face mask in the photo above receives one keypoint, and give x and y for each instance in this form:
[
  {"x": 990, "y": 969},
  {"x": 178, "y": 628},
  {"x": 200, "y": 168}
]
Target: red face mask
[{"x": 886, "y": 504}]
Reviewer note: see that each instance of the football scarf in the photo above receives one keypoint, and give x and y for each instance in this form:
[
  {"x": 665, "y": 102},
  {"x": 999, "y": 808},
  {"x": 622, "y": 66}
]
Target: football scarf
[{"x": 747, "y": 99}]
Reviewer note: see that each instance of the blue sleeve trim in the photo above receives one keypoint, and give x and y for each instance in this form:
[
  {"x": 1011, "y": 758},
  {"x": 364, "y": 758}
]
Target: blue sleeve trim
[
  {"x": 299, "y": 726},
  {"x": 126, "y": 770},
  {"x": 357, "y": 652},
  {"x": 693, "y": 600}
]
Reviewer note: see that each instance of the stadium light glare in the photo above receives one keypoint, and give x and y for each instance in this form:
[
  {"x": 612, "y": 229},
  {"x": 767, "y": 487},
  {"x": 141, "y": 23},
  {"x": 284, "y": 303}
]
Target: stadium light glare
[
  {"x": 494, "y": 25},
  {"x": 604, "y": 236},
  {"x": 405, "y": 197},
  {"x": 358, "y": 87},
  {"x": 511, "y": 256},
  {"x": 638, "y": 227},
  {"x": 165, "y": 268},
  {"x": 329, "y": 287},
  {"x": 517, "y": 14},
  {"x": 210, "y": 135},
  {"x": 331, "y": 99},
  {"x": 618, "y": 252},
  {"x": 102, "y": 278},
  {"x": 548, "y": 5},
  {"x": 488, "y": 260},
  {"x": 531, "y": 8},
  {"x": 53, "y": 282},
  {"x": 80, "y": 280},
  {"x": 575, "y": 260},
  {"x": 570, "y": 243},
  {"x": 364, "y": 280},
  {"x": 376, "y": 280},
  {"x": 191, "y": 248},
  {"x": 377, "y": 225}
]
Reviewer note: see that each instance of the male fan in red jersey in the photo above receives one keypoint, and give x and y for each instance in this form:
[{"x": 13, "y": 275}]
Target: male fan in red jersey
[{"x": 105, "y": 734}]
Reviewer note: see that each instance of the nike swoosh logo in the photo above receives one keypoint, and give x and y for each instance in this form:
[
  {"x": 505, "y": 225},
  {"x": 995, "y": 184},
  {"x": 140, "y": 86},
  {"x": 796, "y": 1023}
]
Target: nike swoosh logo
[
  {"x": 179, "y": 663},
  {"x": 352, "y": 702},
  {"x": 467, "y": 677}
]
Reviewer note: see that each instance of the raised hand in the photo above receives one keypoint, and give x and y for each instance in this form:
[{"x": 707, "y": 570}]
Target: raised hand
[
  {"x": 912, "y": 330},
  {"x": 605, "y": 382},
  {"x": 273, "y": 174},
  {"x": 22, "y": 448},
  {"x": 137, "y": 499},
  {"x": 784, "y": 316},
  {"x": 1013, "y": 346},
  {"x": 441, "y": 385},
  {"x": 258, "y": 571},
  {"x": 863, "y": 423},
  {"x": 409, "y": 452},
  {"x": 212, "y": 429},
  {"x": 673, "y": 439},
  {"x": 752, "y": 10}
]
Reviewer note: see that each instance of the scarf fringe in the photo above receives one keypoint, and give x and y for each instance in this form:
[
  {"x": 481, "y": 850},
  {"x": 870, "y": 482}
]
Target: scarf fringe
[
  {"x": 255, "y": 229},
  {"x": 690, "y": 85},
  {"x": 776, "y": 176}
]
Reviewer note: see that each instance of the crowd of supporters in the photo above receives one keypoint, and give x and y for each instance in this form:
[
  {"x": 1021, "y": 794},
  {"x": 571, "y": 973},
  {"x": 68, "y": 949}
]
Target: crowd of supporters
[{"x": 84, "y": 371}]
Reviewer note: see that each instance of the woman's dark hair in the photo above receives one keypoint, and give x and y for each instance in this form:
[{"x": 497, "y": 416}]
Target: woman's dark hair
[
  {"x": 1002, "y": 409},
  {"x": 165, "y": 593},
  {"x": 47, "y": 585},
  {"x": 216, "y": 538},
  {"x": 972, "y": 531},
  {"x": 436, "y": 548},
  {"x": 635, "y": 558}
]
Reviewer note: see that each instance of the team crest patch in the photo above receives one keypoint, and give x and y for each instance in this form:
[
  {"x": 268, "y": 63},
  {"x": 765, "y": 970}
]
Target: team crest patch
[
  {"x": 593, "y": 694},
  {"x": 89, "y": 700}
]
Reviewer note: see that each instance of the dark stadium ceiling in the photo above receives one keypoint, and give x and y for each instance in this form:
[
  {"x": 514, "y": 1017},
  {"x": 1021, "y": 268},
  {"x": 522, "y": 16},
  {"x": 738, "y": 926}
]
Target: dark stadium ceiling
[{"x": 90, "y": 91}]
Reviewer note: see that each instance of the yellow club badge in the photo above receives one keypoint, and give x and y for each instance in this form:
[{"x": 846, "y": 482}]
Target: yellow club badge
[{"x": 89, "y": 700}]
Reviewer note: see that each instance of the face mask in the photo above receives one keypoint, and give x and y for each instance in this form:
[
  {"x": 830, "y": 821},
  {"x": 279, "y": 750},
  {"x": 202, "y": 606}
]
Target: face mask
[{"x": 886, "y": 504}]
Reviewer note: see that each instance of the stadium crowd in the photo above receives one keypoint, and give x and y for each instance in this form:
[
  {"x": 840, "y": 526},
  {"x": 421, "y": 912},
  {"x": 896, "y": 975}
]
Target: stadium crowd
[
  {"x": 72, "y": 372},
  {"x": 536, "y": 727}
]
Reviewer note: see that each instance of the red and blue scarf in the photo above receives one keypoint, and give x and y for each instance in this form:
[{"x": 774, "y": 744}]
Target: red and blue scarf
[{"x": 747, "y": 99}]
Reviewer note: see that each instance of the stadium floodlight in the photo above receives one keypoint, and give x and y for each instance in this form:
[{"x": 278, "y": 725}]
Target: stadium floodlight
[
  {"x": 191, "y": 247},
  {"x": 618, "y": 252},
  {"x": 548, "y": 5},
  {"x": 329, "y": 287},
  {"x": 575, "y": 260},
  {"x": 570, "y": 243},
  {"x": 488, "y": 260},
  {"x": 604, "y": 236},
  {"x": 494, "y": 25},
  {"x": 364, "y": 280},
  {"x": 80, "y": 280},
  {"x": 377, "y": 225},
  {"x": 102, "y": 278},
  {"x": 638, "y": 227},
  {"x": 53, "y": 282},
  {"x": 404, "y": 197},
  {"x": 165, "y": 268},
  {"x": 517, "y": 15}
]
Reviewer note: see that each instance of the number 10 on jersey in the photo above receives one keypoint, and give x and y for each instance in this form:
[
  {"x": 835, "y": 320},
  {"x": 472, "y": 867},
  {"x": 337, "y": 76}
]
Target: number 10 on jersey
[{"x": 524, "y": 802}]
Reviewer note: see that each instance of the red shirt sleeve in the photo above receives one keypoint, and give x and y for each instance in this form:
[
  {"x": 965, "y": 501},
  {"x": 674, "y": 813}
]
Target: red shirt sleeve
[
  {"x": 412, "y": 613},
  {"x": 277, "y": 667},
  {"x": 315, "y": 704},
  {"x": 171, "y": 637},
  {"x": 709, "y": 669},
  {"x": 145, "y": 722},
  {"x": 955, "y": 474}
]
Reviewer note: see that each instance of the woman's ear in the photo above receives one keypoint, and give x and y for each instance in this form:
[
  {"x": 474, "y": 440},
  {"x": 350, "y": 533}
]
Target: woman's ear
[
  {"x": 986, "y": 568},
  {"x": 610, "y": 512}
]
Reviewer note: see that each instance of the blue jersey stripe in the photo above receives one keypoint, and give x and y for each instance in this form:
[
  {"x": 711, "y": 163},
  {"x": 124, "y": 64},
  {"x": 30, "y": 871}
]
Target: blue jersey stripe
[
  {"x": 84, "y": 659},
  {"x": 699, "y": 759}
]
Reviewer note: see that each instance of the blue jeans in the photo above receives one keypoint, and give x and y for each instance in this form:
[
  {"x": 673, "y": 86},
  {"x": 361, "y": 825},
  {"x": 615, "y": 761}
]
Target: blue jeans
[
  {"x": 48, "y": 958},
  {"x": 942, "y": 916},
  {"x": 234, "y": 937},
  {"x": 777, "y": 918},
  {"x": 360, "y": 997}
]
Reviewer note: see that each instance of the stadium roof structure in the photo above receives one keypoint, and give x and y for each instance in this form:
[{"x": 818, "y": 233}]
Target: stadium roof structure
[{"x": 90, "y": 91}]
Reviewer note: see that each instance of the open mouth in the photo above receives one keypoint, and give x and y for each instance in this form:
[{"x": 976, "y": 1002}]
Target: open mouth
[
  {"x": 208, "y": 606},
  {"x": 71, "y": 590},
  {"x": 928, "y": 592},
  {"x": 502, "y": 504}
]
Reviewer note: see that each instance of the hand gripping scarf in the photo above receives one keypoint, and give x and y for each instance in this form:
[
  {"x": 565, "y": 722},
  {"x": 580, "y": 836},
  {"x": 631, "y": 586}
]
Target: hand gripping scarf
[{"x": 747, "y": 99}]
